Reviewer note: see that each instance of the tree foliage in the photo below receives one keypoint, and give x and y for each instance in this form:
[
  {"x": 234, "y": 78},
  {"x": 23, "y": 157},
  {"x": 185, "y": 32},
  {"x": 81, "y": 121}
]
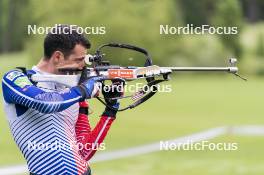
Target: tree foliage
[
  {"x": 229, "y": 13},
  {"x": 136, "y": 22}
]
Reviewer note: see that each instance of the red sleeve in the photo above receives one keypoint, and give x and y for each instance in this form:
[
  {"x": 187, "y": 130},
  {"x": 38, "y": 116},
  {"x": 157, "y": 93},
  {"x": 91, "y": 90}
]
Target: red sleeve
[
  {"x": 82, "y": 125},
  {"x": 90, "y": 140}
]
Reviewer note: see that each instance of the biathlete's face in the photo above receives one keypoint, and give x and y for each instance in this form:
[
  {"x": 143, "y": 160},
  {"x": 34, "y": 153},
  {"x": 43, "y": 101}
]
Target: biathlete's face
[{"x": 75, "y": 60}]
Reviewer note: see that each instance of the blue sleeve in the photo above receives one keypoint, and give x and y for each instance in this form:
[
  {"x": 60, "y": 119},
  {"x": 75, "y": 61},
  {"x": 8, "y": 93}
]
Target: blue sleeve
[{"x": 18, "y": 89}]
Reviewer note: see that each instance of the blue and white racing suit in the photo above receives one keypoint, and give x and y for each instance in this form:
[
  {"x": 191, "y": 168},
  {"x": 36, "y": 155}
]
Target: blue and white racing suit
[{"x": 42, "y": 119}]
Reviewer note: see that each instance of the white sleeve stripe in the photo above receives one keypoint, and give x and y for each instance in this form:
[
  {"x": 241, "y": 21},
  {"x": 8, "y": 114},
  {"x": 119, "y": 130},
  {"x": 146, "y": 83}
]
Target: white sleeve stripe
[{"x": 99, "y": 135}]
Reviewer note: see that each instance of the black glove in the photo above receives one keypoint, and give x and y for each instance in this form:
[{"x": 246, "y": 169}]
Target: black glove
[{"x": 113, "y": 91}]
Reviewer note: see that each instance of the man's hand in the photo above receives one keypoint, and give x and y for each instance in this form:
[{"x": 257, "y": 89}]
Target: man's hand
[
  {"x": 91, "y": 87},
  {"x": 111, "y": 94}
]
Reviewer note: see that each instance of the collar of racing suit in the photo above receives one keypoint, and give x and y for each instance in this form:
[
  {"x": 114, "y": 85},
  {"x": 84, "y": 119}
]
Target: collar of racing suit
[{"x": 48, "y": 86}]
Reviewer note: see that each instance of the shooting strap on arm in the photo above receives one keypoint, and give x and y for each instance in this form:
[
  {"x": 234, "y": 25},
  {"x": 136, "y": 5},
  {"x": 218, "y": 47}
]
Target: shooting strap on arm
[
  {"x": 28, "y": 74},
  {"x": 84, "y": 108}
]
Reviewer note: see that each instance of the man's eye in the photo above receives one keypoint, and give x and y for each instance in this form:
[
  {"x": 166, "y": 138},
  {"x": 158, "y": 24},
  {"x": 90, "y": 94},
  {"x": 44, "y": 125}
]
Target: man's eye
[{"x": 80, "y": 59}]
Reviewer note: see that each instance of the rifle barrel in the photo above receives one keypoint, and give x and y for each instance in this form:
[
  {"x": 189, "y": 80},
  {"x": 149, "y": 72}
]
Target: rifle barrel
[{"x": 216, "y": 69}]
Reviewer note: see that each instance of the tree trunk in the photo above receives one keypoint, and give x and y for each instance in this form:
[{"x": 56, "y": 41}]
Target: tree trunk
[
  {"x": 7, "y": 34},
  {"x": 253, "y": 10},
  {"x": 1, "y": 24}
]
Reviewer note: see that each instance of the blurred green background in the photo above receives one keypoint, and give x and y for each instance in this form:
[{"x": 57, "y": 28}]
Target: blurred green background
[{"x": 197, "y": 102}]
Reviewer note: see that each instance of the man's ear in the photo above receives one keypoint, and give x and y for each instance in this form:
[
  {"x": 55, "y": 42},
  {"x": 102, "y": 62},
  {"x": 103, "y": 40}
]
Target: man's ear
[{"x": 57, "y": 57}]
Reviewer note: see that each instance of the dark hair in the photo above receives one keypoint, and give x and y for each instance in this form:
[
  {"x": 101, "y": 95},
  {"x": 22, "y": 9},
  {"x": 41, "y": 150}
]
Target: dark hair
[{"x": 63, "y": 38}]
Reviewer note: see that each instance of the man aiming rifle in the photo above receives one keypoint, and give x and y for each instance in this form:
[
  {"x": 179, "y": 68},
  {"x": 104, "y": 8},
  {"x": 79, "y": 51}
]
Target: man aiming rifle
[
  {"x": 49, "y": 113},
  {"x": 47, "y": 104}
]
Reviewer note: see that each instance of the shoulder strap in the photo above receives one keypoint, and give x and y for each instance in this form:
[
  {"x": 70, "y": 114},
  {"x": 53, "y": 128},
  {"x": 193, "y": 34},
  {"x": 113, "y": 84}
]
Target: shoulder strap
[{"x": 28, "y": 73}]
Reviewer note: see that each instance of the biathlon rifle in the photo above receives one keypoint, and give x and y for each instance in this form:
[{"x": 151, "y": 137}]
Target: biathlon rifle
[{"x": 98, "y": 66}]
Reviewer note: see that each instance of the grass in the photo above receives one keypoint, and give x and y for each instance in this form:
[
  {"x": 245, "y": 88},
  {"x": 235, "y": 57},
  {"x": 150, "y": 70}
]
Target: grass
[
  {"x": 196, "y": 103},
  {"x": 244, "y": 161}
]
